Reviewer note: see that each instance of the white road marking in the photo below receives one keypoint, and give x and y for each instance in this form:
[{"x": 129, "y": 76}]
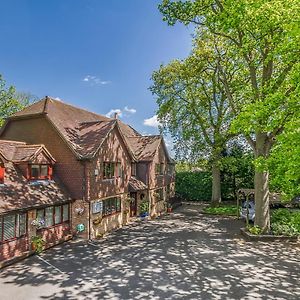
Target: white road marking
[{"x": 49, "y": 264}]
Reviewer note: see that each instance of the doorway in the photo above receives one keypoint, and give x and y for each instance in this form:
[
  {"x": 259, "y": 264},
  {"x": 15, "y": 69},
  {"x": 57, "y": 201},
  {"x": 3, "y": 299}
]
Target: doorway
[{"x": 133, "y": 204}]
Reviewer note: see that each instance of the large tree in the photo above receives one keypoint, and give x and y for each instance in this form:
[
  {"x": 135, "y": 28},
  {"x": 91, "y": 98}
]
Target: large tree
[
  {"x": 12, "y": 101},
  {"x": 262, "y": 39},
  {"x": 193, "y": 107}
]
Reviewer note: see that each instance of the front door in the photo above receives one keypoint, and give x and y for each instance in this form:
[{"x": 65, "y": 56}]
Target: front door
[{"x": 133, "y": 204}]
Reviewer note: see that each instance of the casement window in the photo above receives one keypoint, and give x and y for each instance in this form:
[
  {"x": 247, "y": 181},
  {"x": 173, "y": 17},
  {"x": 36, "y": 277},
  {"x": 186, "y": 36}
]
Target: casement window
[
  {"x": 111, "y": 206},
  {"x": 171, "y": 169},
  {"x": 108, "y": 170},
  {"x": 133, "y": 169},
  {"x": 13, "y": 226},
  {"x": 2, "y": 172},
  {"x": 40, "y": 172},
  {"x": 119, "y": 169},
  {"x": 159, "y": 169},
  {"x": 53, "y": 215}
]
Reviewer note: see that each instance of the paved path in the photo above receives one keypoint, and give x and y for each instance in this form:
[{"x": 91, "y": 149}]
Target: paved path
[{"x": 184, "y": 255}]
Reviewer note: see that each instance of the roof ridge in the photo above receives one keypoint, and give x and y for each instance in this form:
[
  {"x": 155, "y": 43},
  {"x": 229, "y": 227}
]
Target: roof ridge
[
  {"x": 74, "y": 106},
  {"x": 11, "y": 141}
]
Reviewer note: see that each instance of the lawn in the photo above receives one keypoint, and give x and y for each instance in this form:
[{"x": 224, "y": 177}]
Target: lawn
[{"x": 224, "y": 209}]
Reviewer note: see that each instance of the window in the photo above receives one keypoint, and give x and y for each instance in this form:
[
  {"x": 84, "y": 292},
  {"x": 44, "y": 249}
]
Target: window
[
  {"x": 2, "y": 171},
  {"x": 108, "y": 170},
  {"x": 133, "y": 169},
  {"x": 170, "y": 169},
  {"x": 111, "y": 206},
  {"x": 40, "y": 171},
  {"x": 159, "y": 169},
  {"x": 53, "y": 215},
  {"x": 57, "y": 215},
  {"x": 13, "y": 226},
  {"x": 119, "y": 170}
]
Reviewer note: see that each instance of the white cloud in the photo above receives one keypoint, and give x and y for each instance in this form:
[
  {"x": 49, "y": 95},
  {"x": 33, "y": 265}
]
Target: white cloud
[
  {"x": 57, "y": 98},
  {"x": 130, "y": 110},
  {"x": 93, "y": 80},
  {"x": 152, "y": 122},
  {"x": 126, "y": 112},
  {"x": 112, "y": 113}
]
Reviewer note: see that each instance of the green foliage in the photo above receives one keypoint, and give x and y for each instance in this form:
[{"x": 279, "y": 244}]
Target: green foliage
[
  {"x": 144, "y": 206},
  {"x": 254, "y": 230},
  {"x": 11, "y": 101},
  {"x": 285, "y": 222},
  {"x": 194, "y": 186},
  {"x": 284, "y": 162},
  {"x": 228, "y": 210},
  {"x": 38, "y": 243},
  {"x": 237, "y": 170}
]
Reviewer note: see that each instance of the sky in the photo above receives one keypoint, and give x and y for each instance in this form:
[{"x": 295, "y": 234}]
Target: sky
[{"x": 94, "y": 54}]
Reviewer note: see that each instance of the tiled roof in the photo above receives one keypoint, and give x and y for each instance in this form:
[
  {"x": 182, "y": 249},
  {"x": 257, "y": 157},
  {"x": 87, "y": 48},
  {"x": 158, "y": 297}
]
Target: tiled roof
[
  {"x": 84, "y": 131},
  {"x": 144, "y": 147},
  {"x": 20, "y": 152},
  {"x": 136, "y": 185},
  {"x": 17, "y": 193}
]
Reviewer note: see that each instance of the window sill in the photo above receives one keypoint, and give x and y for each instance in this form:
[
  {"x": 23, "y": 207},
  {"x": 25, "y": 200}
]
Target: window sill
[
  {"x": 53, "y": 226},
  {"x": 113, "y": 214}
]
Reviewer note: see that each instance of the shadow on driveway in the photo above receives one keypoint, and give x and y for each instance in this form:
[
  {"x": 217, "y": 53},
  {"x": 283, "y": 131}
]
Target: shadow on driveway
[{"x": 184, "y": 255}]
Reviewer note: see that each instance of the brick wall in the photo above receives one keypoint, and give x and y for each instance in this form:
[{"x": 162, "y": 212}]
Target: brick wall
[
  {"x": 14, "y": 248},
  {"x": 40, "y": 131}
]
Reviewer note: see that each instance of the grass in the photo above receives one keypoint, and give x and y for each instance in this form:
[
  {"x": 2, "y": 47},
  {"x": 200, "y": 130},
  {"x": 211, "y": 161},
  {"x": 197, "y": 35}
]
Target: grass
[{"x": 226, "y": 210}]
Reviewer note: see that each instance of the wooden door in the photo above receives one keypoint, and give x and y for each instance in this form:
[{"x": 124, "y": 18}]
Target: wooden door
[{"x": 133, "y": 204}]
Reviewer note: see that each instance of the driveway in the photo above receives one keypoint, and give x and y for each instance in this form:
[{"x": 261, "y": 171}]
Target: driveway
[{"x": 184, "y": 255}]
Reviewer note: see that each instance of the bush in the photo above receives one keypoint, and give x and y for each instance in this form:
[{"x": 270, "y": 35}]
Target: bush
[
  {"x": 194, "y": 185},
  {"x": 254, "y": 229},
  {"x": 285, "y": 222}
]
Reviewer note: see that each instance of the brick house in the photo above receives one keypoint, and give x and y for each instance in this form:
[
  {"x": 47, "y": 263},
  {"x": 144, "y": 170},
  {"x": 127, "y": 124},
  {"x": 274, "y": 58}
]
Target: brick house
[
  {"x": 106, "y": 166},
  {"x": 28, "y": 190}
]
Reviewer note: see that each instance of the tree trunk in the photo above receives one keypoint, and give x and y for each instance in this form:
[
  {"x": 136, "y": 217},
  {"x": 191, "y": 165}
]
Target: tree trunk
[
  {"x": 261, "y": 185},
  {"x": 262, "y": 206},
  {"x": 216, "y": 185}
]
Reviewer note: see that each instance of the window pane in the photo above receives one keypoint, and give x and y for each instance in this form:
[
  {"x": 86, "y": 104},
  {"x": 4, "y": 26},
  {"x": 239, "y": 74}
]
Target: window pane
[
  {"x": 35, "y": 170},
  {"x": 1, "y": 228},
  {"x": 66, "y": 212},
  {"x": 57, "y": 216},
  {"x": 8, "y": 227},
  {"x": 118, "y": 204},
  {"x": 44, "y": 171},
  {"x": 49, "y": 216},
  {"x": 22, "y": 224}
]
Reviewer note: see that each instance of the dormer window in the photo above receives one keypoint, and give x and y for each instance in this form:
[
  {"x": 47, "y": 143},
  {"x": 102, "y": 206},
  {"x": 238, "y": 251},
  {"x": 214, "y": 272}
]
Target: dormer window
[
  {"x": 2, "y": 171},
  {"x": 37, "y": 172}
]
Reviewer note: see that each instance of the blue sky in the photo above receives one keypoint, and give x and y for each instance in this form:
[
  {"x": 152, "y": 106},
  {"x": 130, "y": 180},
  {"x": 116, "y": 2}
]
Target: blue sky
[{"x": 95, "y": 54}]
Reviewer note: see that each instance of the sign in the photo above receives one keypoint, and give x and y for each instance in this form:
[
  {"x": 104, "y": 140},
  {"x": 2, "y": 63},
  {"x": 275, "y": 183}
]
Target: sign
[
  {"x": 80, "y": 227},
  {"x": 97, "y": 207}
]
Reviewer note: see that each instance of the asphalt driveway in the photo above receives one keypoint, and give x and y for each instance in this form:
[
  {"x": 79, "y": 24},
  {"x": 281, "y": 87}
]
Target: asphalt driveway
[{"x": 184, "y": 255}]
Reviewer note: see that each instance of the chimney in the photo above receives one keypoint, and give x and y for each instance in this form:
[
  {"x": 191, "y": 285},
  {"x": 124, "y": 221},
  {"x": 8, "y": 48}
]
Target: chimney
[{"x": 116, "y": 115}]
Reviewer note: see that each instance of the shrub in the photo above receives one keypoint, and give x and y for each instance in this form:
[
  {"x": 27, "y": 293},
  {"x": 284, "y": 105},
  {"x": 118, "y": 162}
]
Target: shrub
[
  {"x": 285, "y": 222},
  {"x": 254, "y": 229}
]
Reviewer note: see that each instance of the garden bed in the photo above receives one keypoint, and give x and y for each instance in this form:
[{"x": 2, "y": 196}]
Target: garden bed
[{"x": 266, "y": 237}]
